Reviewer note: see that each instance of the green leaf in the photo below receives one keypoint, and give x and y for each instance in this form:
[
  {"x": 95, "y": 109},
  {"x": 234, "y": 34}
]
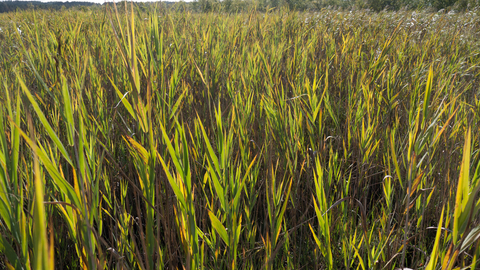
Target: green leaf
[
  {"x": 434, "y": 257},
  {"x": 123, "y": 99},
  {"x": 280, "y": 216},
  {"x": 428, "y": 91},
  {"x": 317, "y": 241},
  {"x": 217, "y": 225},
  {"x": 176, "y": 188},
  {"x": 214, "y": 170},
  {"x": 462, "y": 189},
  {"x": 471, "y": 238},
  {"x": 40, "y": 245},
  {"x": 44, "y": 121},
  {"x": 59, "y": 180},
  {"x": 68, "y": 111},
  {"x": 7, "y": 250}
]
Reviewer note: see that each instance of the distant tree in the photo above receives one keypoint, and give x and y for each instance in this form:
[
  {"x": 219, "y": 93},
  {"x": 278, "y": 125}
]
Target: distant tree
[
  {"x": 441, "y": 4},
  {"x": 378, "y": 5},
  {"x": 205, "y": 5}
]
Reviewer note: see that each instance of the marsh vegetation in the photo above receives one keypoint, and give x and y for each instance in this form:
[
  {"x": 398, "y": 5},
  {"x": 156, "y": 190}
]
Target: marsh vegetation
[{"x": 260, "y": 140}]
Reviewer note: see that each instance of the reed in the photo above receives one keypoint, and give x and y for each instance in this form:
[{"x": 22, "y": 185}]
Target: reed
[{"x": 165, "y": 139}]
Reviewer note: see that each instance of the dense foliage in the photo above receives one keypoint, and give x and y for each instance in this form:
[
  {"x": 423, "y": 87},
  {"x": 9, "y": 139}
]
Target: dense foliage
[
  {"x": 11, "y": 6},
  {"x": 260, "y": 5},
  {"x": 279, "y": 140}
]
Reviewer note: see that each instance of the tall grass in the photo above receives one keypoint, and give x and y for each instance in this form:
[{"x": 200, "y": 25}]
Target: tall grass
[{"x": 161, "y": 139}]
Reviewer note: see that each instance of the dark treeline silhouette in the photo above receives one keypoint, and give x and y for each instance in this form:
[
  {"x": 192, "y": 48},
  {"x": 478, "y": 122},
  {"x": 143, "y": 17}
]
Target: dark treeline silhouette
[
  {"x": 9, "y": 6},
  {"x": 260, "y": 5},
  {"x": 313, "y": 5},
  {"x": 12, "y": 6}
]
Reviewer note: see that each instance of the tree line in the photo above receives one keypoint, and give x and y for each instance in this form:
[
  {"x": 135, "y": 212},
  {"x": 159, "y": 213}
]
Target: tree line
[
  {"x": 261, "y": 5},
  {"x": 374, "y": 5},
  {"x": 11, "y": 6}
]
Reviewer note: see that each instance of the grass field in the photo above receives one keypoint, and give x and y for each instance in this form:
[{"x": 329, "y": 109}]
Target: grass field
[{"x": 278, "y": 140}]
